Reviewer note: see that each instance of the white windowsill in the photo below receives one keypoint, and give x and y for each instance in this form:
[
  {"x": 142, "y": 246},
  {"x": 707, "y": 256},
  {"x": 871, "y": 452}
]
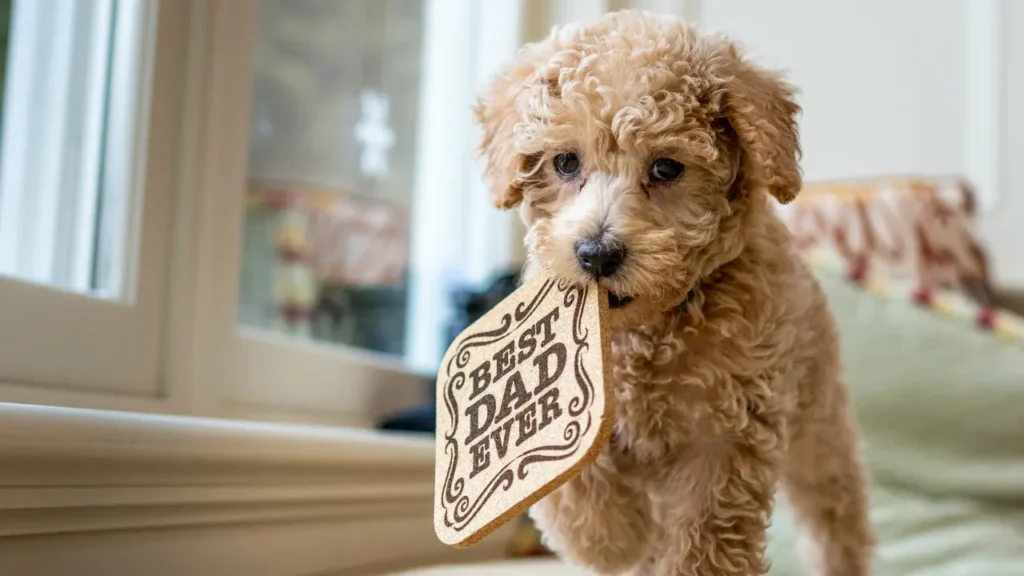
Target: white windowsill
[
  {"x": 305, "y": 499},
  {"x": 51, "y": 432}
]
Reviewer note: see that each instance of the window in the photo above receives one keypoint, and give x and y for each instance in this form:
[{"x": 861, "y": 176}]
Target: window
[
  {"x": 243, "y": 208},
  {"x": 86, "y": 160},
  {"x": 331, "y": 171},
  {"x": 364, "y": 208}
]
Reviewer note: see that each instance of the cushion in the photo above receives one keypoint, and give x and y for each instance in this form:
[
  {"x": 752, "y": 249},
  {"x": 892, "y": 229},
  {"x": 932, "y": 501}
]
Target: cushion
[
  {"x": 915, "y": 229},
  {"x": 937, "y": 383},
  {"x": 920, "y": 534}
]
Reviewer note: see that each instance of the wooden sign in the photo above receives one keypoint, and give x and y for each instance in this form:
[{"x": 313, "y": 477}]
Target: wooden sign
[{"x": 521, "y": 406}]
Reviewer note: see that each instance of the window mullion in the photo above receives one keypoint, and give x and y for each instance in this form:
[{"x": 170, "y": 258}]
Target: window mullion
[
  {"x": 88, "y": 114},
  {"x": 124, "y": 150}
]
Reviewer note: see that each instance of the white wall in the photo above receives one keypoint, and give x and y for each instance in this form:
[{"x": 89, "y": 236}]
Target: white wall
[
  {"x": 1003, "y": 226},
  {"x": 926, "y": 87},
  {"x": 882, "y": 81}
]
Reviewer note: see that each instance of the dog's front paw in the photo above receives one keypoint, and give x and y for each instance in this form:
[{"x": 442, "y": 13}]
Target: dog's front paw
[{"x": 598, "y": 521}]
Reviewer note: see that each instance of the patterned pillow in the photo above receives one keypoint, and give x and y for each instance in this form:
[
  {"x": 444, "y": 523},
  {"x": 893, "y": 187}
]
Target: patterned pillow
[{"x": 904, "y": 228}]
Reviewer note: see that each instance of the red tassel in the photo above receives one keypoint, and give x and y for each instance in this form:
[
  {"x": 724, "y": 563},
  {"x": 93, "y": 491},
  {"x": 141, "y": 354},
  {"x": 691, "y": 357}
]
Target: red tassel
[
  {"x": 923, "y": 296},
  {"x": 987, "y": 318},
  {"x": 858, "y": 272}
]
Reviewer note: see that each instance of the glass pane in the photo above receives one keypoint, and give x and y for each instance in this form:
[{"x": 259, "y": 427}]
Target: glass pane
[
  {"x": 331, "y": 167},
  {"x": 338, "y": 167},
  {"x": 70, "y": 94}
]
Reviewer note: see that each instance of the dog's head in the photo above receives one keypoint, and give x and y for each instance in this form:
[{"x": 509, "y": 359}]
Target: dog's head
[{"x": 635, "y": 148}]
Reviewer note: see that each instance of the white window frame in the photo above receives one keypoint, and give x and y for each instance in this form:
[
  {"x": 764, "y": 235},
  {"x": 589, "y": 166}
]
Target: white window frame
[{"x": 62, "y": 345}]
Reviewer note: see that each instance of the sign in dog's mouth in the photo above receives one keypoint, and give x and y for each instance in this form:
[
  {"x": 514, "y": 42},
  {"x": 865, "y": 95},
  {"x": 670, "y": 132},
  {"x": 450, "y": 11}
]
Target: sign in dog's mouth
[
  {"x": 521, "y": 405},
  {"x": 615, "y": 301}
]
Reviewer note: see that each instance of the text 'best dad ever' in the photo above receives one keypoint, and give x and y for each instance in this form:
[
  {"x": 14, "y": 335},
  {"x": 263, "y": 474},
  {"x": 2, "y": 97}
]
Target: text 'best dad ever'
[{"x": 527, "y": 404}]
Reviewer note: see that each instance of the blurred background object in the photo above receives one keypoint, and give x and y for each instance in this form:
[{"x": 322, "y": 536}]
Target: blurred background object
[
  {"x": 236, "y": 237},
  {"x": 468, "y": 306}
]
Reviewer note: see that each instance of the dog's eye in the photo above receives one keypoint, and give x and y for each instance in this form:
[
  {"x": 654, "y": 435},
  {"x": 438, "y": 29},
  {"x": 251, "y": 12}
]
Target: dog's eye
[
  {"x": 665, "y": 170},
  {"x": 567, "y": 164}
]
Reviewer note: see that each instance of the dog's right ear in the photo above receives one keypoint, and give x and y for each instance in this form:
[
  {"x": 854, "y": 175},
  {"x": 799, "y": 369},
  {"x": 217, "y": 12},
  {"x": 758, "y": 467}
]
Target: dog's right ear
[
  {"x": 762, "y": 110},
  {"x": 498, "y": 112}
]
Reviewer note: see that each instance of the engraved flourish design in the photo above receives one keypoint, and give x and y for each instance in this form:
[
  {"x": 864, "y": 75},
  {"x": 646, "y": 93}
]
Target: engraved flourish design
[{"x": 460, "y": 509}]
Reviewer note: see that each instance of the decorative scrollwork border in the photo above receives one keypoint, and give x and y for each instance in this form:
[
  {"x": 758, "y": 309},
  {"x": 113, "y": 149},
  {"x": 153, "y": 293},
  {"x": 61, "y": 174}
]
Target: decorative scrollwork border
[{"x": 460, "y": 509}]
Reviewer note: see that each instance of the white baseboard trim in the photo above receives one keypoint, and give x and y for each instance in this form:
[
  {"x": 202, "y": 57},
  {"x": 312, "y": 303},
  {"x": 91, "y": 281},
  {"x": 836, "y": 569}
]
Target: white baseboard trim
[{"x": 86, "y": 492}]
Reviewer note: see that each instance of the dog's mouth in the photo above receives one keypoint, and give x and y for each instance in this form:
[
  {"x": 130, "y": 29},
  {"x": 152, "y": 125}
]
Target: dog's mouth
[{"x": 615, "y": 301}]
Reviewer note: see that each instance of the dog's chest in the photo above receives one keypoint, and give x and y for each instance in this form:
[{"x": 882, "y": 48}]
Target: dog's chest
[
  {"x": 673, "y": 390},
  {"x": 661, "y": 396}
]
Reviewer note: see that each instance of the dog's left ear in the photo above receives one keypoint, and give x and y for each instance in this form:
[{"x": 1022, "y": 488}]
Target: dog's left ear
[
  {"x": 497, "y": 112},
  {"x": 762, "y": 111}
]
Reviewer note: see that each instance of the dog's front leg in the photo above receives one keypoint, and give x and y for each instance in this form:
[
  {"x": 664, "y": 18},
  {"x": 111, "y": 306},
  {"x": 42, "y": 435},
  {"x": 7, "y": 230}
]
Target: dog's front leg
[
  {"x": 714, "y": 508},
  {"x": 598, "y": 519}
]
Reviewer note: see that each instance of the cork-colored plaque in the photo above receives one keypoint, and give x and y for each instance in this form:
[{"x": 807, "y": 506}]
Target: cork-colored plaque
[{"x": 521, "y": 406}]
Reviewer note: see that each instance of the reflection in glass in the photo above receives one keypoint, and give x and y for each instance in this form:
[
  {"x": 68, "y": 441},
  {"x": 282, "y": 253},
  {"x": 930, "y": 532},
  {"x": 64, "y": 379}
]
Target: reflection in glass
[{"x": 331, "y": 167}]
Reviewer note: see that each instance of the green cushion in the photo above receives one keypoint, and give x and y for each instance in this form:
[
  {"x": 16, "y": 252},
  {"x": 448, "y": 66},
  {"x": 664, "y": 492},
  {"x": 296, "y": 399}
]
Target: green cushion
[
  {"x": 920, "y": 534},
  {"x": 940, "y": 401},
  {"x": 941, "y": 406}
]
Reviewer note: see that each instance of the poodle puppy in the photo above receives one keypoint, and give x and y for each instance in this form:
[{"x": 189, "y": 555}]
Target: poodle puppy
[{"x": 645, "y": 156}]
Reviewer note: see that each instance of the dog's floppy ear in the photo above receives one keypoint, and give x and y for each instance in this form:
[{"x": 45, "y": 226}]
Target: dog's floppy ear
[
  {"x": 762, "y": 111},
  {"x": 498, "y": 112}
]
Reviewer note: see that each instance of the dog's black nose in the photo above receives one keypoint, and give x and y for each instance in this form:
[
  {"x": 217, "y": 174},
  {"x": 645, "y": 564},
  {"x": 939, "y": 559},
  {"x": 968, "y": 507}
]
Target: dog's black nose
[{"x": 600, "y": 257}]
